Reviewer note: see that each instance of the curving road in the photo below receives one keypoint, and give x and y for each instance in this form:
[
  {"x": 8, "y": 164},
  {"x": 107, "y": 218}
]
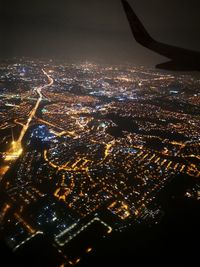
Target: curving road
[
  {"x": 32, "y": 113},
  {"x": 16, "y": 149}
]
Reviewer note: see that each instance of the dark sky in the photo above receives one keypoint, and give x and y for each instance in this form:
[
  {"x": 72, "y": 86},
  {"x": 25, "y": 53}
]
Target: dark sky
[{"x": 94, "y": 30}]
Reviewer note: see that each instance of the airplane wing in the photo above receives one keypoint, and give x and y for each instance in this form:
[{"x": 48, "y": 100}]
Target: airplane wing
[{"x": 181, "y": 59}]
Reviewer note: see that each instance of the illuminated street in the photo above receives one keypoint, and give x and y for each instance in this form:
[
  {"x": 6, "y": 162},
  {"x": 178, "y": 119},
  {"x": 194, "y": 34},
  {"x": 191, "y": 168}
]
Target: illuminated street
[{"x": 16, "y": 146}]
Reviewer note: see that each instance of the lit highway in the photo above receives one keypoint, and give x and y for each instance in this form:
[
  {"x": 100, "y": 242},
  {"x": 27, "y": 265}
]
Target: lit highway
[
  {"x": 16, "y": 149},
  {"x": 32, "y": 114}
]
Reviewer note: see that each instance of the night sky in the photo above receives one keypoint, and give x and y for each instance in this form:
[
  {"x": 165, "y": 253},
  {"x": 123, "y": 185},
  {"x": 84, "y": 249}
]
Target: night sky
[{"x": 94, "y": 30}]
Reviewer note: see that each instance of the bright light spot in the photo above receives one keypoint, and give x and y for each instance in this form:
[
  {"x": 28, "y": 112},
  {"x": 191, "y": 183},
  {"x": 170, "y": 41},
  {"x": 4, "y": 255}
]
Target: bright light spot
[
  {"x": 89, "y": 250},
  {"x": 109, "y": 230},
  {"x": 77, "y": 261},
  {"x": 54, "y": 219}
]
